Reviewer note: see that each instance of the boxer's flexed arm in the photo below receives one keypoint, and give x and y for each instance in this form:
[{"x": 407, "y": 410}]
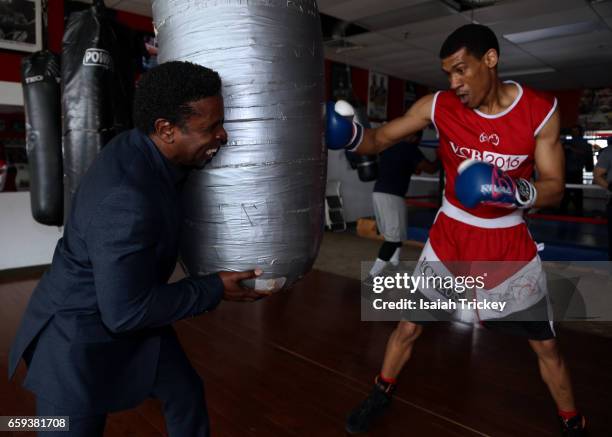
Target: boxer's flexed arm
[
  {"x": 343, "y": 132},
  {"x": 550, "y": 164},
  {"x": 415, "y": 119}
]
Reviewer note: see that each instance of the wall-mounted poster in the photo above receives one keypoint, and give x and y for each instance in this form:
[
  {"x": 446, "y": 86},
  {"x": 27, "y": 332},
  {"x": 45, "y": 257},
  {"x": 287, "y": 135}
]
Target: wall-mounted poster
[
  {"x": 21, "y": 25},
  {"x": 377, "y": 96},
  {"x": 595, "y": 110},
  {"x": 409, "y": 95},
  {"x": 341, "y": 82}
]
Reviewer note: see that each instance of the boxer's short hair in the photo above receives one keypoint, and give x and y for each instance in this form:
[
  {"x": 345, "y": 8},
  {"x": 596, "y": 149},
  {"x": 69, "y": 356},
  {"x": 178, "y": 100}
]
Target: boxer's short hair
[{"x": 475, "y": 38}]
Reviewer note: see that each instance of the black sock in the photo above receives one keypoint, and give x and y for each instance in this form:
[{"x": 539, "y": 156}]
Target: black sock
[
  {"x": 386, "y": 386},
  {"x": 388, "y": 249}
]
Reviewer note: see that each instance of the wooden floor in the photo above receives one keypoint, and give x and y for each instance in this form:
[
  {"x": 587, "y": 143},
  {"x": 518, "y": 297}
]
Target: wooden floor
[{"x": 294, "y": 364}]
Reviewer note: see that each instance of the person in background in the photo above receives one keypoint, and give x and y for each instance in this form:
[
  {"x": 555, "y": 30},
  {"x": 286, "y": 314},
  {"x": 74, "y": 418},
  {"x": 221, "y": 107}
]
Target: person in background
[
  {"x": 578, "y": 157},
  {"x": 396, "y": 165},
  {"x": 602, "y": 176},
  {"x": 3, "y": 173}
]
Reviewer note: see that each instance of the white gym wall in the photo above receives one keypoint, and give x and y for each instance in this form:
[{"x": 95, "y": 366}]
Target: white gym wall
[{"x": 23, "y": 242}]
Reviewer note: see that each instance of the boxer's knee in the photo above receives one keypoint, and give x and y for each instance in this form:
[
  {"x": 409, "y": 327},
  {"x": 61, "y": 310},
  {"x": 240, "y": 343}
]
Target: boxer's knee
[
  {"x": 546, "y": 350},
  {"x": 407, "y": 332}
]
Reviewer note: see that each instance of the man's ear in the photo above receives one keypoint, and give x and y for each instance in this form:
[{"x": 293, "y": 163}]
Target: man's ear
[
  {"x": 164, "y": 130},
  {"x": 491, "y": 58}
]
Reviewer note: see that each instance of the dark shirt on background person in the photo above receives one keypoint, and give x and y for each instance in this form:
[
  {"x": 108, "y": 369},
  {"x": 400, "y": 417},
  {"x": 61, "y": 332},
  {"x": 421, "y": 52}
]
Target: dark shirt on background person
[
  {"x": 602, "y": 176},
  {"x": 396, "y": 166},
  {"x": 578, "y": 156}
]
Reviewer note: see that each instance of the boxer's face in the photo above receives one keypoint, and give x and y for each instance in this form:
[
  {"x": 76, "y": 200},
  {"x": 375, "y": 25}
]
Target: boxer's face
[
  {"x": 198, "y": 140},
  {"x": 470, "y": 78}
]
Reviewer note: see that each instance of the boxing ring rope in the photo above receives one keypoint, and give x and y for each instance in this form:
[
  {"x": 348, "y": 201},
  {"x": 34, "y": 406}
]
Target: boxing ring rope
[
  {"x": 418, "y": 202},
  {"x": 579, "y": 186}
]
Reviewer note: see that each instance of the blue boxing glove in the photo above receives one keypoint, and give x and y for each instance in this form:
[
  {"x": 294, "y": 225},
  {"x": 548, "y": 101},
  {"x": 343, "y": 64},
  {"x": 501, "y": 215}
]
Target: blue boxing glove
[
  {"x": 481, "y": 182},
  {"x": 341, "y": 131}
]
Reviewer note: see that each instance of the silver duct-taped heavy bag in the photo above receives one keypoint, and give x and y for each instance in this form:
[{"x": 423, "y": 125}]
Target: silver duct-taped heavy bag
[{"x": 259, "y": 203}]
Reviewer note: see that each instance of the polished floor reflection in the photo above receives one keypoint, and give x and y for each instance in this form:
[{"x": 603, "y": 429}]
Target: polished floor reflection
[{"x": 294, "y": 364}]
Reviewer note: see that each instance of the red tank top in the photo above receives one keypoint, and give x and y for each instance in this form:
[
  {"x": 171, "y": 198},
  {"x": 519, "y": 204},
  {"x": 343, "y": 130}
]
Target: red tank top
[{"x": 506, "y": 139}]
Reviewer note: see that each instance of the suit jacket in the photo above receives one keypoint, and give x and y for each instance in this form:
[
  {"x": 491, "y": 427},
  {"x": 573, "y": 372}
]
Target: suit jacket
[{"x": 92, "y": 327}]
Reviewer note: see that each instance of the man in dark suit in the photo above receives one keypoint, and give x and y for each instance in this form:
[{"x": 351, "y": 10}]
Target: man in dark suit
[{"x": 97, "y": 334}]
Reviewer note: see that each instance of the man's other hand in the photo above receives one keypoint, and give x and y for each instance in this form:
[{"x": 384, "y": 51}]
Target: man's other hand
[{"x": 235, "y": 291}]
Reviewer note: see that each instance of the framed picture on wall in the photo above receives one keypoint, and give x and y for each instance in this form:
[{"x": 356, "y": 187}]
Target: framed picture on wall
[
  {"x": 341, "y": 82},
  {"x": 595, "y": 110},
  {"x": 409, "y": 95},
  {"x": 377, "y": 96},
  {"x": 21, "y": 25}
]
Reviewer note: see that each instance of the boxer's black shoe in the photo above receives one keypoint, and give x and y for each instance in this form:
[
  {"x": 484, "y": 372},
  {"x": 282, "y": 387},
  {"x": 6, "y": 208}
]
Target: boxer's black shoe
[
  {"x": 360, "y": 419},
  {"x": 574, "y": 427}
]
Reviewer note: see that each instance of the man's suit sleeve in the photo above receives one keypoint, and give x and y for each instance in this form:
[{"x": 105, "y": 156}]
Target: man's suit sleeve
[{"x": 122, "y": 239}]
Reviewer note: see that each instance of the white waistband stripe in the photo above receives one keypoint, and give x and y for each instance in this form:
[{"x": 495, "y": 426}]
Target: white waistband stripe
[{"x": 507, "y": 221}]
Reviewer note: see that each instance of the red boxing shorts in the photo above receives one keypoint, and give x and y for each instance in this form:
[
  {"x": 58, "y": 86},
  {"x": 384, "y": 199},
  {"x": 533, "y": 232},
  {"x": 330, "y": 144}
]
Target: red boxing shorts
[{"x": 502, "y": 254}]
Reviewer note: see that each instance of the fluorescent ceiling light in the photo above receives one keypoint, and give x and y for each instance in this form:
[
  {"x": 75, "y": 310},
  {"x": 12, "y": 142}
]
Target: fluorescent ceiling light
[
  {"x": 526, "y": 71},
  {"x": 553, "y": 32}
]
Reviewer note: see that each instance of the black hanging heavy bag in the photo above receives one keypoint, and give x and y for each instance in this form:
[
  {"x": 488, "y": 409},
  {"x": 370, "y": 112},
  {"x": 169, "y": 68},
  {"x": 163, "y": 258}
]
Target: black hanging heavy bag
[
  {"x": 96, "y": 97},
  {"x": 40, "y": 73}
]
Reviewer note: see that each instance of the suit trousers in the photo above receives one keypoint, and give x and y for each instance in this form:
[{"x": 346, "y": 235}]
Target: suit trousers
[{"x": 177, "y": 386}]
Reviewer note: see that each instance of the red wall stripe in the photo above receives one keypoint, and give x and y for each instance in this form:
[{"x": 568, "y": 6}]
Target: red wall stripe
[
  {"x": 568, "y": 101},
  {"x": 11, "y": 66},
  {"x": 134, "y": 21},
  {"x": 55, "y": 16},
  {"x": 395, "y": 98},
  {"x": 360, "y": 78}
]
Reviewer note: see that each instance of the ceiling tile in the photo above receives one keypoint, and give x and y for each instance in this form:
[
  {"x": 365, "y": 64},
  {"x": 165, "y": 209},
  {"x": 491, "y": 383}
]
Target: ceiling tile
[
  {"x": 431, "y": 43},
  {"x": 604, "y": 9},
  {"x": 405, "y": 58},
  {"x": 386, "y": 49},
  {"x": 572, "y": 49},
  {"x": 520, "y": 9},
  {"x": 415, "y": 13},
  {"x": 543, "y": 21},
  {"x": 370, "y": 39},
  {"x": 356, "y": 9},
  {"x": 444, "y": 25},
  {"x": 525, "y": 63}
]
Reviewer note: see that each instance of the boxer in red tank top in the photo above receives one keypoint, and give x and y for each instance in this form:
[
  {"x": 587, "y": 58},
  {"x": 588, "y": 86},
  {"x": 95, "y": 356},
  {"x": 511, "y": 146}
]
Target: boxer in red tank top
[{"x": 512, "y": 127}]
